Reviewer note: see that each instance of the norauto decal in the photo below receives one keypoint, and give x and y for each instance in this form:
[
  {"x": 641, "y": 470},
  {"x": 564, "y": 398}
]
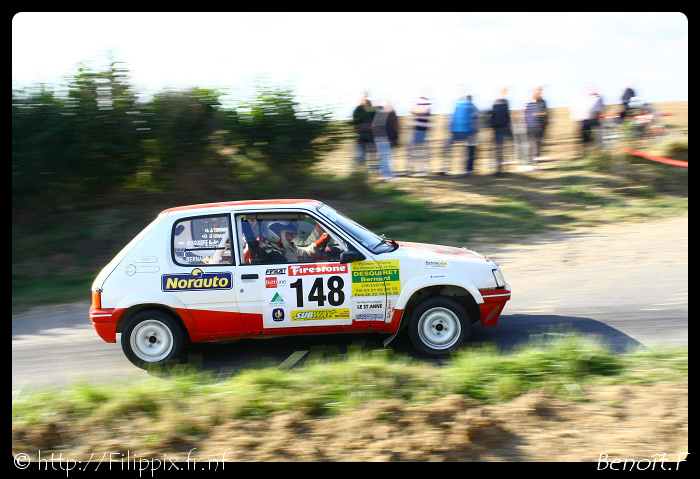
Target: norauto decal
[
  {"x": 272, "y": 272},
  {"x": 196, "y": 280},
  {"x": 321, "y": 314},
  {"x": 318, "y": 269},
  {"x": 274, "y": 282}
]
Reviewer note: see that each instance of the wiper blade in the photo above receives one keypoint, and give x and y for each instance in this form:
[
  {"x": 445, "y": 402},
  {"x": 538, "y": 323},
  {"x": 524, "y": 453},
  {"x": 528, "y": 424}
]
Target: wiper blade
[{"x": 383, "y": 240}]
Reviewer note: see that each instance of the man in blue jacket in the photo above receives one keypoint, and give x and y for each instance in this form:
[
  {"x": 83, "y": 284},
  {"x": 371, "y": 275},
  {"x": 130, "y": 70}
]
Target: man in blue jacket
[{"x": 464, "y": 128}]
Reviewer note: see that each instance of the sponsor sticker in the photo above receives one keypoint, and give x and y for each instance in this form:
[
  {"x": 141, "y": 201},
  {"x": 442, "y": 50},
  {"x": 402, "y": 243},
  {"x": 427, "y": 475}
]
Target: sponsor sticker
[
  {"x": 372, "y": 278},
  {"x": 318, "y": 269},
  {"x": 197, "y": 280},
  {"x": 274, "y": 282},
  {"x": 369, "y": 317},
  {"x": 437, "y": 275},
  {"x": 273, "y": 272},
  {"x": 436, "y": 264},
  {"x": 277, "y": 300},
  {"x": 368, "y": 310},
  {"x": 278, "y": 314},
  {"x": 321, "y": 314}
]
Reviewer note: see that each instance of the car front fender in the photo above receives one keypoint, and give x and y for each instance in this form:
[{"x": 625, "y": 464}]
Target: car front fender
[{"x": 427, "y": 280}]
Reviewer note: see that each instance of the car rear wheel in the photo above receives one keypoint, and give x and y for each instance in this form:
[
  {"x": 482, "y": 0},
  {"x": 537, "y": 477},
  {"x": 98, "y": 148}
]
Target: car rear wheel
[
  {"x": 438, "y": 326},
  {"x": 152, "y": 338}
]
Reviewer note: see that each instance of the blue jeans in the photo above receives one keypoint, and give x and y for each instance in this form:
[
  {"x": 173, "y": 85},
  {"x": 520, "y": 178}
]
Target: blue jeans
[
  {"x": 419, "y": 153},
  {"x": 499, "y": 135},
  {"x": 385, "y": 159},
  {"x": 470, "y": 138}
]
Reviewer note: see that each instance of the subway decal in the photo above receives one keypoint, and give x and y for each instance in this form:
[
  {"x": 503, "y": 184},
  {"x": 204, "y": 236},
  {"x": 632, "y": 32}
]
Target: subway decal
[{"x": 197, "y": 280}]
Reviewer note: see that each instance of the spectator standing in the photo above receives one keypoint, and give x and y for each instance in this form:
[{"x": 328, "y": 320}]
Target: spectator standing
[
  {"x": 362, "y": 120},
  {"x": 586, "y": 111},
  {"x": 626, "y": 97},
  {"x": 419, "y": 152},
  {"x": 385, "y": 131},
  {"x": 536, "y": 120},
  {"x": 520, "y": 141},
  {"x": 464, "y": 127},
  {"x": 500, "y": 122}
]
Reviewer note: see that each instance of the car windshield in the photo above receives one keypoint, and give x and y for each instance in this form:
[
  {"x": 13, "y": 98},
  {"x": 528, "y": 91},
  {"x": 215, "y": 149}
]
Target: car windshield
[{"x": 374, "y": 243}]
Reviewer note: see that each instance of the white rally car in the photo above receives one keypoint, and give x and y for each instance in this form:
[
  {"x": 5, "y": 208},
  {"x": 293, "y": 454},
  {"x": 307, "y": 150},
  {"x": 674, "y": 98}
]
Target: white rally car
[{"x": 283, "y": 267}]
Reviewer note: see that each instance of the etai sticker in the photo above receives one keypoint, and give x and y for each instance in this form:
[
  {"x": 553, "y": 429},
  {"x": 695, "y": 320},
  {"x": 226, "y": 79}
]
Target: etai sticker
[{"x": 376, "y": 278}]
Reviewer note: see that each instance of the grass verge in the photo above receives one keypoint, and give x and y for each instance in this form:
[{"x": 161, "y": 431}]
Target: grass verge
[{"x": 185, "y": 406}]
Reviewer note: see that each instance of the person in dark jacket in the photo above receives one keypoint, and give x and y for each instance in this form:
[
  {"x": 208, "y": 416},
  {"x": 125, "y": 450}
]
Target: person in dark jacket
[
  {"x": 626, "y": 97},
  {"x": 536, "y": 119},
  {"x": 362, "y": 121},
  {"x": 500, "y": 122},
  {"x": 385, "y": 129}
]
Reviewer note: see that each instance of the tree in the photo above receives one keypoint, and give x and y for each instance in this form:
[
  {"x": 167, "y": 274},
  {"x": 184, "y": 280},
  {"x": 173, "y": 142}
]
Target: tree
[{"x": 276, "y": 131}]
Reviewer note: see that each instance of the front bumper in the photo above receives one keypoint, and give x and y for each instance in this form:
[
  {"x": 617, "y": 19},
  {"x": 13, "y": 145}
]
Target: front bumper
[{"x": 494, "y": 302}]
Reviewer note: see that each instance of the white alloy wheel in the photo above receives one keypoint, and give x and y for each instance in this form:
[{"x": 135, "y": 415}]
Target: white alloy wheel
[
  {"x": 151, "y": 340},
  {"x": 439, "y": 328}
]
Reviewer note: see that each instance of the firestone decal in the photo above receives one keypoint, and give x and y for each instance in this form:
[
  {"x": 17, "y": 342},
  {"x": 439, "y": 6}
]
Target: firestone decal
[
  {"x": 196, "y": 280},
  {"x": 318, "y": 269}
]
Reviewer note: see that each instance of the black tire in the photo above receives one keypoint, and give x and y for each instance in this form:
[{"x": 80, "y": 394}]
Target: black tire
[
  {"x": 152, "y": 338},
  {"x": 438, "y": 326}
]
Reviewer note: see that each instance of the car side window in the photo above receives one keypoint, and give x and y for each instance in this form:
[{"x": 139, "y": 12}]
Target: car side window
[
  {"x": 202, "y": 241},
  {"x": 277, "y": 238}
]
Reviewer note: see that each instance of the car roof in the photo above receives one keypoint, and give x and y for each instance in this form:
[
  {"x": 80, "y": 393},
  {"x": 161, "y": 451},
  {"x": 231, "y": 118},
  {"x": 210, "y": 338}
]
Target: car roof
[{"x": 236, "y": 204}]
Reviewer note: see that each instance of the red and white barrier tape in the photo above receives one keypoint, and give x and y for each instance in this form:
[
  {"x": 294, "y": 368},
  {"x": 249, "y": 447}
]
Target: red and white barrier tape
[{"x": 660, "y": 159}]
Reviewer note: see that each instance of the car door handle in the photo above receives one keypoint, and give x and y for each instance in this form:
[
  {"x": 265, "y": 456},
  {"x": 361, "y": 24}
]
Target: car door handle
[{"x": 249, "y": 276}]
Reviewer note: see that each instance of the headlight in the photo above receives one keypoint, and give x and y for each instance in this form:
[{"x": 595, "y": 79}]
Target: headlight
[{"x": 499, "y": 278}]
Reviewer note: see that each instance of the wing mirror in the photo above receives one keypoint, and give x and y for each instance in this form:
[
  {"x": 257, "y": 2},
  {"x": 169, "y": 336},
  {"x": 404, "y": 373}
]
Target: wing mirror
[{"x": 350, "y": 257}]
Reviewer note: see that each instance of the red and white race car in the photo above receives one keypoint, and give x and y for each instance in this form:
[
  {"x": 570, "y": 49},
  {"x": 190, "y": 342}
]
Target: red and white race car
[{"x": 285, "y": 267}]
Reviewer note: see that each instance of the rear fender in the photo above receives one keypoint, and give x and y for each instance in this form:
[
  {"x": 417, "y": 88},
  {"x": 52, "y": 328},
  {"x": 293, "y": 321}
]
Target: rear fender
[{"x": 138, "y": 301}]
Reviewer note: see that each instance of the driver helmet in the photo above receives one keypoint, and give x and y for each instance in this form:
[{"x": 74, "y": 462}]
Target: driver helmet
[{"x": 272, "y": 230}]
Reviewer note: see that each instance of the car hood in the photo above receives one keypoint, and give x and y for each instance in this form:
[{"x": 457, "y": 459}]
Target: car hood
[{"x": 431, "y": 251}]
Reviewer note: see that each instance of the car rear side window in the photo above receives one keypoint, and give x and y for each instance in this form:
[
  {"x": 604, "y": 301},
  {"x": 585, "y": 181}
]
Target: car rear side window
[{"x": 202, "y": 241}]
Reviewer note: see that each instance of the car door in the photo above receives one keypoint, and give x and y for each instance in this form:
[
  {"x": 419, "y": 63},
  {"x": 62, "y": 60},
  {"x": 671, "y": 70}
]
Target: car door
[
  {"x": 202, "y": 272},
  {"x": 314, "y": 291}
]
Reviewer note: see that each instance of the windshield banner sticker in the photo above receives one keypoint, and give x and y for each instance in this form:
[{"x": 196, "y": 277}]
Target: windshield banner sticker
[{"x": 371, "y": 279}]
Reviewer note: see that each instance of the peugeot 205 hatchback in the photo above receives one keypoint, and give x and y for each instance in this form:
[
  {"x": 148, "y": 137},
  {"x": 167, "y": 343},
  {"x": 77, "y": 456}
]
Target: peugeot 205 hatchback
[{"x": 285, "y": 267}]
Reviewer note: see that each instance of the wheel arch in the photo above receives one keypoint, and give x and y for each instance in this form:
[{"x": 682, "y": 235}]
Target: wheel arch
[
  {"x": 460, "y": 293},
  {"x": 168, "y": 303}
]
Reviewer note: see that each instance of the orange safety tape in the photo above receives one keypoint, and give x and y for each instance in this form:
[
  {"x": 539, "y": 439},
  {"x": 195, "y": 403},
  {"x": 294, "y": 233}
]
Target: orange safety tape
[{"x": 660, "y": 159}]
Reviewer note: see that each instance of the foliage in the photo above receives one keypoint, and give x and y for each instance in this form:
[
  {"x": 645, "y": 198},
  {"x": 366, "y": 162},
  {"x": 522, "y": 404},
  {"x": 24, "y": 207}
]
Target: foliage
[
  {"x": 274, "y": 129},
  {"x": 97, "y": 136}
]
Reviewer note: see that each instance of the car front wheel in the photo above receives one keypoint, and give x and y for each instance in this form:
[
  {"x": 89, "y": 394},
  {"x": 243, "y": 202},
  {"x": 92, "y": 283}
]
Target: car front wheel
[
  {"x": 438, "y": 326},
  {"x": 151, "y": 338}
]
